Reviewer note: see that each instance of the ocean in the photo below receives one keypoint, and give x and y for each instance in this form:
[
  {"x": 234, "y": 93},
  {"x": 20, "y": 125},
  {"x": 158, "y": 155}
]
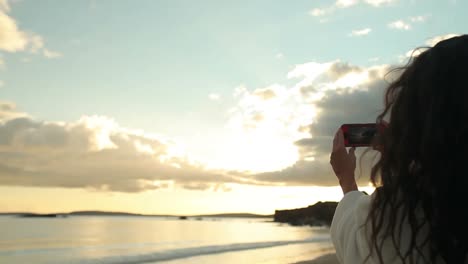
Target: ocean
[{"x": 124, "y": 239}]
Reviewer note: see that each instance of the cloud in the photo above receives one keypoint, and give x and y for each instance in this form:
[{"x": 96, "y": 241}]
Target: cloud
[
  {"x": 341, "y": 91},
  {"x": 378, "y": 3},
  {"x": 419, "y": 19},
  {"x": 13, "y": 39},
  {"x": 334, "y": 75},
  {"x": 342, "y": 4},
  {"x": 262, "y": 128},
  {"x": 434, "y": 40},
  {"x": 7, "y": 106},
  {"x": 356, "y": 102},
  {"x": 4, "y": 6},
  {"x": 318, "y": 12},
  {"x": 36, "y": 43},
  {"x": 51, "y": 54},
  {"x": 214, "y": 97},
  {"x": 95, "y": 153},
  {"x": 346, "y": 3},
  {"x": 360, "y": 32},
  {"x": 400, "y": 25},
  {"x": 266, "y": 93},
  {"x": 279, "y": 55},
  {"x": 283, "y": 132},
  {"x": 8, "y": 111},
  {"x": 309, "y": 72},
  {"x": 407, "y": 24},
  {"x": 431, "y": 42}
]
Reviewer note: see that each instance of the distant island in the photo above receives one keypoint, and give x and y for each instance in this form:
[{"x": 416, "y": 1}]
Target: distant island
[
  {"x": 236, "y": 215},
  {"x": 319, "y": 214},
  {"x": 42, "y": 215},
  {"x": 104, "y": 213}
]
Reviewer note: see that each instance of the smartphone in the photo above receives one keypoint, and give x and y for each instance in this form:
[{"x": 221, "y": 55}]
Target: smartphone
[{"x": 359, "y": 135}]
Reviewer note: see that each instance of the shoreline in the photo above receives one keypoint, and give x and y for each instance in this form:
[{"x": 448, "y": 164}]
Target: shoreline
[{"x": 329, "y": 258}]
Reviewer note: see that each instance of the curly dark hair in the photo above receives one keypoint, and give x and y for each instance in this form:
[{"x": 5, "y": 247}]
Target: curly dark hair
[{"x": 422, "y": 173}]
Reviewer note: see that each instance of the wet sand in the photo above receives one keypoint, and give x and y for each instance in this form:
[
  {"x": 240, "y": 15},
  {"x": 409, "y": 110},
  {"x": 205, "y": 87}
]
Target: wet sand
[{"x": 325, "y": 259}]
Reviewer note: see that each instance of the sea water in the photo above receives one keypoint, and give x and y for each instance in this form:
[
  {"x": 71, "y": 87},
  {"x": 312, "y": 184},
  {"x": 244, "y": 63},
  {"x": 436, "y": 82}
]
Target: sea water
[{"x": 124, "y": 239}]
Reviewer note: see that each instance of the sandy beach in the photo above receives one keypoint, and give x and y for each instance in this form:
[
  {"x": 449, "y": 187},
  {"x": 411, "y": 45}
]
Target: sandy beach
[{"x": 325, "y": 259}]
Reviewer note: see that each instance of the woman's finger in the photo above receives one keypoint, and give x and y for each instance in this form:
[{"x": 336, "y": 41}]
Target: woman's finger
[
  {"x": 340, "y": 138},
  {"x": 351, "y": 151},
  {"x": 338, "y": 141},
  {"x": 335, "y": 142}
]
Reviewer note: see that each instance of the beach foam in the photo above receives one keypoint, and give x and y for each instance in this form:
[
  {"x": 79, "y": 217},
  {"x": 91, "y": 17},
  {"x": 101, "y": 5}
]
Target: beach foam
[{"x": 197, "y": 251}]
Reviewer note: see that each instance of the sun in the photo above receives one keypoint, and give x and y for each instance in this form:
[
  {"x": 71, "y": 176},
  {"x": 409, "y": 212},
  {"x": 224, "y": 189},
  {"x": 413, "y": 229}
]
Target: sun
[{"x": 255, "y": 151}]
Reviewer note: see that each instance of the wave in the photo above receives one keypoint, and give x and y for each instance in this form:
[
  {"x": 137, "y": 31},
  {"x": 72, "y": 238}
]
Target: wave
[{"x": 197, "y": 251}]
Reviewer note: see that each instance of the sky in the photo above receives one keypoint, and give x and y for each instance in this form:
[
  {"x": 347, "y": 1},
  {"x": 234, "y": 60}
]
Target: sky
[{"x": 191, "y": 107}]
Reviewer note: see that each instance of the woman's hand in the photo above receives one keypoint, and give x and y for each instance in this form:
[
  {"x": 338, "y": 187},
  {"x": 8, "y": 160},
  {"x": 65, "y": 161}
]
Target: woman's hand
[{"x": 343, "y": 163}]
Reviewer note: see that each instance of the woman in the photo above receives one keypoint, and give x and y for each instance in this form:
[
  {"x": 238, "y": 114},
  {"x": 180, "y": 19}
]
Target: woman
[{"x": 419, "y": 210}]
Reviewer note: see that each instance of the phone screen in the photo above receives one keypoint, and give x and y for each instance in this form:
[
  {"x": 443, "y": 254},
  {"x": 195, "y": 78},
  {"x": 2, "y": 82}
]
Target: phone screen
[{"x": 359, "y": 135}]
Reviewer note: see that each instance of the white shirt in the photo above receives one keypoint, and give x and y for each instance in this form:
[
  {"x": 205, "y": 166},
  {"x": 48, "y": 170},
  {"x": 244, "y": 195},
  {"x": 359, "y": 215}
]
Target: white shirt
[
  {"x": 348, "y": 237},
  {"x": 348, "y": 233}
]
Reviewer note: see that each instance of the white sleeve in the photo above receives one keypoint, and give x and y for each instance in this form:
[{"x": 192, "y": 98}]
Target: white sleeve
[{"x": 347, "y": 232}]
